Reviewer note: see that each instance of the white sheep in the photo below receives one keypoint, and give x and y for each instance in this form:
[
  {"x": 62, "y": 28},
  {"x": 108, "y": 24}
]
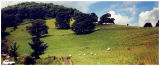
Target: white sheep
[
  {"x": 95, "y": 54},
  {"x": 70, "y": 55},
  {"x": 84, "y": 54},
  {"x": 91, "y": 53},
  {"x": 108, "y": 49}
]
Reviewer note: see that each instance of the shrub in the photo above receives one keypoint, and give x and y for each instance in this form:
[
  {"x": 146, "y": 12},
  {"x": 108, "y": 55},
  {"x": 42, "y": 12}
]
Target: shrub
[
  {"x": 148, "y": 25},
  {"x": 29, "y": 60}
]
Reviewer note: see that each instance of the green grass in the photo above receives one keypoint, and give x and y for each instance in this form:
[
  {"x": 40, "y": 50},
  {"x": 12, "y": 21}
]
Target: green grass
[{"x": 143, "y": 44}]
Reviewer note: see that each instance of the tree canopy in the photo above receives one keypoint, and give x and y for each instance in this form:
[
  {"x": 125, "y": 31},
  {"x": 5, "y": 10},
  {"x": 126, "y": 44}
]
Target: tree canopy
[
  {"x": 157, "y": 24},
  {"x": 106, "y": 18},
  {"x": 38, "y": 28},
  {"x": 13, "y": 51},
  {"x": 63, "y": 21},
  {"x": 14, "y": 15},
  {"x": 148, "y": 25},
  {"x": 84, "y": 24},
  {"x": 38, "y": 47}
]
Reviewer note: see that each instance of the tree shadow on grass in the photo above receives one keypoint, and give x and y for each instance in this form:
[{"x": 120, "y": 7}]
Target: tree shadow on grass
[{"x": 45, "y": 36}]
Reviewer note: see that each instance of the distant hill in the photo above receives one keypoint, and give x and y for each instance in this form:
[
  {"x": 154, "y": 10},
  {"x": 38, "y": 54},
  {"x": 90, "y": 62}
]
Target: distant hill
[{"x": 15, "y": 14}]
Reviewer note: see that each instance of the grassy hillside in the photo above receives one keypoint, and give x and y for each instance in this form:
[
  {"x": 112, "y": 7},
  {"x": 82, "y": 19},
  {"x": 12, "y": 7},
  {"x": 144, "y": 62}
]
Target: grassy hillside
[{"x": 129, "y": 45}]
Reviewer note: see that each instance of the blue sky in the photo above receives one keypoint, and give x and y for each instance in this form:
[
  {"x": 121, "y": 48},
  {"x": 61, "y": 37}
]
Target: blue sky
[
  {"x": 135, "y": 13},
  {"x": 118, "y": 6},
  {"x": 130, "y": 9}
]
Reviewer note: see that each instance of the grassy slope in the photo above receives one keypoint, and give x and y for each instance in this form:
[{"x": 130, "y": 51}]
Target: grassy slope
[{"x": 143, "y": 44}]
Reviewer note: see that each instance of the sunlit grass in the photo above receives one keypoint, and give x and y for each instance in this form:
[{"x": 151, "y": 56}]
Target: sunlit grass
[{"x": 142, "y": 44}]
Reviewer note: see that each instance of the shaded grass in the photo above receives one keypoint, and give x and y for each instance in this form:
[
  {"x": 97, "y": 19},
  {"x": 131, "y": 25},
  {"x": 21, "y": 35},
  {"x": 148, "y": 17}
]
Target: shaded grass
[{"x": 143, "y": 44}]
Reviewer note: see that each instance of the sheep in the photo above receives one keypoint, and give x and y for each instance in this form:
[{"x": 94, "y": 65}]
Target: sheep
[
  {"x": 95, "y": 54},
  {"x": 108, "y": 49},
  {"x": 79, "y": 54},
  {"x": 70, "y": 55},
  {"x": 91, "y": 53},
  {"x": 84, "y": 54}
]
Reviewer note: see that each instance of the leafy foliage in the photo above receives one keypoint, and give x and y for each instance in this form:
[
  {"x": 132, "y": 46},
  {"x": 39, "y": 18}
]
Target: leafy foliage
[
  {"x": 84, "y": 24},
  {"x": 29, "y": 60},
  {"x": 148, "y": 25},
  {"x": 63, "y": 21},
  {"x": 38, "y": 46},
  {"x": 38, "y": 28},
  {"x": 94, "y": 16},
  {"x": 13, "y": 15},
  {"x": 157, "y": 24},
  {"x": 106, "y": 19},
  {"x": 13, "y": 51}
]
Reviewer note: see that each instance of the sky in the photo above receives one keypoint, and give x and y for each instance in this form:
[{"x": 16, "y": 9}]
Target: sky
[{"x": 135, "y": 13}]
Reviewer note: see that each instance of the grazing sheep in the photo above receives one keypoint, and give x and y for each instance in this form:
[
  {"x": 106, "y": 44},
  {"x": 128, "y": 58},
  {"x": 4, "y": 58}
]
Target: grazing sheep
[
  {"x": 70, "y": 55},
  {"x": 91, "y": 53},
  {"x": 95, "y": 54},
  {"x": 84, "y": 54},
  {"x": 79, "y": 54},
  {"x": 108, "y": 49}
]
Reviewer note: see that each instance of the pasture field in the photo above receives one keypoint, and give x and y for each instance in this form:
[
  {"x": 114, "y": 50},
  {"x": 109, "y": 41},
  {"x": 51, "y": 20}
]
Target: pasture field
[{"x": 129, "y": 45}]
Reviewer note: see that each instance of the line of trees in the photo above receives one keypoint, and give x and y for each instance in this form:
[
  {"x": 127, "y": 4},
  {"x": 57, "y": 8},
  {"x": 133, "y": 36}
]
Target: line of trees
[
  {"x": 37, "y": 30},
  {"x": 150, "y": 25},
  {"x": 14, "y": 15}
]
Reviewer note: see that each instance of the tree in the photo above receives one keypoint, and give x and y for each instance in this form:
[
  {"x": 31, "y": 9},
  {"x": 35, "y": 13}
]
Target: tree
[
  {"x": 94, "y": 16},
  {"x": 106, "y": 18},
  {"x": 3, "y": 33},
  {"x": 38, "y": 28},
  {"x": 13, "y": 51},
  {"x": 63, "y": 21},
  {"x": 38, "y": 47},
  {"x": 29, "y": 61},
  {"x": 83, "y": 24},
  {"x": 148, "y": 25},
  {"x": 157, "y": 24},
  {"x": 13, "y": 15},
  {"x": 83, "y": 27}
]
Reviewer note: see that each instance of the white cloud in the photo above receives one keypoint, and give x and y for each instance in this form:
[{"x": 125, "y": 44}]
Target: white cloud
[
  {"x": 128, "y": 3},
  {"x": 134, "y": 24},
  {"x": 149, "y": 16},
  {"x": 132, "y": 10},
  {"x": 80, "y": 5},
  {"x": 122, "y": 13},
  {"x": 119, "y": 19},
  {"x": 8, "y": 3}
]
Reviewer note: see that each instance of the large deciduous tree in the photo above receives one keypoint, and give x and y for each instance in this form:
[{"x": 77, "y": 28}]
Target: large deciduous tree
[
  {"x": 84, "y": 24},
  {"x": 38, "y": 28},
  {"x": 94, "y": 17},
  {"x": 63, "y": 21},
  {"x": 106, "y": 18}
]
